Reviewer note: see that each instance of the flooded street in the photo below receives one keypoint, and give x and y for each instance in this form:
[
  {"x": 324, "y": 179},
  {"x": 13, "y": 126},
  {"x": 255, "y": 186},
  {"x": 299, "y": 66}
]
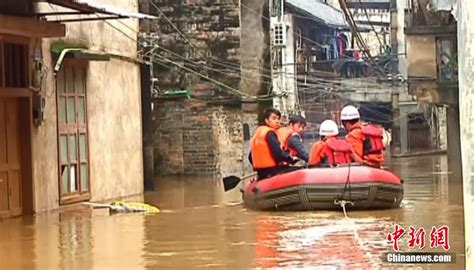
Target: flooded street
[{"x": 201, "y": 227}]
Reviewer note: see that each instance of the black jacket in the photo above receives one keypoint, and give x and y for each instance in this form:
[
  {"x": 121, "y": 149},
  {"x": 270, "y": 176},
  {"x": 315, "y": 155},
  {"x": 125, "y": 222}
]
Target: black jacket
[
  {"x": 295, "y": 143},
  {"x": 278, "y": 155}
]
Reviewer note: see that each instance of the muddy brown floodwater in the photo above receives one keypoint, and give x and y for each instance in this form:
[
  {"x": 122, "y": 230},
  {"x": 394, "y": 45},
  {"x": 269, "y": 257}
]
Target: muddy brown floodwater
[{"x": 203, "y": 227}]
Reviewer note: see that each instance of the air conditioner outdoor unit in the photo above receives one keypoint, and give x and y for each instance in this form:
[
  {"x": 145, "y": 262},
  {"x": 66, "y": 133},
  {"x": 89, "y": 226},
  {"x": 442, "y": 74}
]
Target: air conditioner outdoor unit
[{"x": 279, "y": 34}]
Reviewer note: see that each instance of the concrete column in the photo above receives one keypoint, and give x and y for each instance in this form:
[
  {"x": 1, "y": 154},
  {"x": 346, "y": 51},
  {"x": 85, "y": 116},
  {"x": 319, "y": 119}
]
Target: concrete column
[
  {"x": 254, "y": 46},
  {"x": 396, "y": 128},
  {"x": 454, "y": 150},
  {"x": 250, "y": 120},
  {"x": 394, "y": 29},
  {"x": 402, "y": 65},
  {"x": 147, "y": 127},
  {"x": 465, "y": 18},
  {"x": 403, "y": 129}
]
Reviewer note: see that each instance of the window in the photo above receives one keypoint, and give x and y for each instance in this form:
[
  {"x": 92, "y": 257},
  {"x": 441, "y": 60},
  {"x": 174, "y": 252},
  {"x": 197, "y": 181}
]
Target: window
[
  {"x": 72, "y": 131},
  {"x": 14, "y": 68},
  {"x": 447, "y": 63}
]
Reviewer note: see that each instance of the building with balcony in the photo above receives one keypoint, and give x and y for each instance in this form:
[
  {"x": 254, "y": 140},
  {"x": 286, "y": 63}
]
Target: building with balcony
[
  {"x": 70, "y": 95},
  {"x": 432, "y": 69}
]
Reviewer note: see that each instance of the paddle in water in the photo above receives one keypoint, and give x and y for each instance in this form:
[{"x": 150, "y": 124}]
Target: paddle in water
[{"x": 232, "y": 181}]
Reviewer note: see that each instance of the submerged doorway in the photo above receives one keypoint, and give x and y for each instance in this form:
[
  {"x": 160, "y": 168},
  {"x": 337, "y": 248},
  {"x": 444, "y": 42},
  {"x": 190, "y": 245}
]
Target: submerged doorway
[
  {"x": 72, "y": 133},
  {"x": 15, "y": 157}
]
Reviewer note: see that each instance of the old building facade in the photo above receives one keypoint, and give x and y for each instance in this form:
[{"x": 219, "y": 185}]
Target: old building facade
[
  {"x": 465, "y": 35},
  {"x": 209, "y": 62},
  {"x": 74, "y": 102},
  {"x": 432, "y": 70}
]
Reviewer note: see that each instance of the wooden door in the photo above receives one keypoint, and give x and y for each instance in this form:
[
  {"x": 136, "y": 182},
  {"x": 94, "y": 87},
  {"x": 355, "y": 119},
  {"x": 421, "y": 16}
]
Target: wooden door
[
  {"x": 10, "y": 160},
  {"x": 419, "y": 133},
  {"x": 72, "y": 131}
]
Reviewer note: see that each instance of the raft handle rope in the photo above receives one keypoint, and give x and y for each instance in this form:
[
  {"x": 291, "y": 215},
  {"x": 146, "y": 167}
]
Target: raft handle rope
[
  {"x": 343, "y": 205},
  {"x": 348, "y": 183},
  {"x": 340, "y": 198}
]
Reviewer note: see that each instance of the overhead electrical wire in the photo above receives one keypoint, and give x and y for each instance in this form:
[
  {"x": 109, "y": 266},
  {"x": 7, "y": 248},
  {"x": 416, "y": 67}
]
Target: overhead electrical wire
[{"x": 331, "y": 85}]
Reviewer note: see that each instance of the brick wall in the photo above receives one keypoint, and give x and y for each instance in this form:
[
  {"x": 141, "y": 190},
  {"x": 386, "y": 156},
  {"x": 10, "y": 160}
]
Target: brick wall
[
  {"x": 212, "y": 45},
  {"x": 195, "y": 136},
  {"x": 203, "y": 135}
]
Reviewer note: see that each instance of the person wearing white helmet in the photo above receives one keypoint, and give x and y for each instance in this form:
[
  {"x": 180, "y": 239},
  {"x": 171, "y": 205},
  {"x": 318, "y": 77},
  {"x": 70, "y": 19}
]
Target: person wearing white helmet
[
  {"x": 349, "y": 113},
  {"x": 366, "y": 142},
  {"x": 329, "y": 150}
]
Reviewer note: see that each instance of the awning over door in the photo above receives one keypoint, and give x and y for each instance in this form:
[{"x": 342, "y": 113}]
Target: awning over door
[
  {"x": 30, "y": 27},
  {"x": 62, "y": 51}
]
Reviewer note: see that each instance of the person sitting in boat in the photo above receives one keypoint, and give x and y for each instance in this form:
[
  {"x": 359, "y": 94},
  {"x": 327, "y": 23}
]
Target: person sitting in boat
[
  {"x": 366, "y": 141},
  {"x": 266, "y": 154},
  {"x": 290, "y": 137},
  {"x": 329, "y": 150}
]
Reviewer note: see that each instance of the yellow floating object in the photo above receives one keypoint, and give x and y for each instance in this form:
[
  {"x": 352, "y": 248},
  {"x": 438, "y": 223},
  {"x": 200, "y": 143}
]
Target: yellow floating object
[{"x": 126, "y": 207}]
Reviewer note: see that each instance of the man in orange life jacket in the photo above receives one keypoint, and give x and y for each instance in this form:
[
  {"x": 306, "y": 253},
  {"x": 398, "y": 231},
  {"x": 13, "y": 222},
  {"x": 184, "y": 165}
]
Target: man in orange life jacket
[
  {"x": 266, "y": 155},
  {"x": 290, "y": 137},
  {"x": 367, "y": 143},
  {"x": 329, "y": 151}
]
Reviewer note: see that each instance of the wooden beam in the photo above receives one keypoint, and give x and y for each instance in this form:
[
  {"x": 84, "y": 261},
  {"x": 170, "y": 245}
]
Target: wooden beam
[
  {"x": 15, "y": 92},
  {"x": 30, "y": 27},
  {"x": 436, "y": 30}
]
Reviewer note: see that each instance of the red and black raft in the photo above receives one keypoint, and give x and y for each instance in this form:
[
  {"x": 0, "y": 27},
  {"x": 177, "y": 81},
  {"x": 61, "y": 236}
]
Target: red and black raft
[{"x": 321, "y": 188}]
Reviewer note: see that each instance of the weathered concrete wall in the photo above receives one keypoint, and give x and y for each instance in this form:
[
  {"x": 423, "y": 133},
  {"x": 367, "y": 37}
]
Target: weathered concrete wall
[
  {"x": 250, "y": 119},
  {"x": 115, "y": 132},
  {"x": 45, "y": 148},
  {"x": 454, "y": 146},
  {"x": 420, "y": 60},
  {"x": 113, "y": 111},
  {"x": 466, "y": 109},
  {"x": 255, "y": 46},
  {"x": 368, "y": 89},
  {"x": 228, "y": 132},
  {"x": 401, "y": 50}
]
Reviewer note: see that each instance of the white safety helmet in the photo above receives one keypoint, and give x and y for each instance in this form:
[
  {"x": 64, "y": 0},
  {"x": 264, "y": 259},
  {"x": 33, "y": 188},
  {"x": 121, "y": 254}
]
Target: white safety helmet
[
  {"x": 349, "y": 113},
  {"x": 328, "y": 128}
]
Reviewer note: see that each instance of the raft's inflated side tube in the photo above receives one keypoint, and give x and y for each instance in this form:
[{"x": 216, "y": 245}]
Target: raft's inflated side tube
[{"x": 318, "y": 188}]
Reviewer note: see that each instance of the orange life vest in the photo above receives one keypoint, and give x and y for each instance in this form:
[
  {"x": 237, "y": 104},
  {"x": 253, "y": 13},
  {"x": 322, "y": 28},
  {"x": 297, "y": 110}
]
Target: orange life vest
[
  {"x": 373, "y": 140},
  {"x": 261, "y": 155},
  {"x": 367, "y": 145},
  {"x": 338, "y": 152},
  {"x": 284, "y": 135},
  {"x": 318, "y": 153}
]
